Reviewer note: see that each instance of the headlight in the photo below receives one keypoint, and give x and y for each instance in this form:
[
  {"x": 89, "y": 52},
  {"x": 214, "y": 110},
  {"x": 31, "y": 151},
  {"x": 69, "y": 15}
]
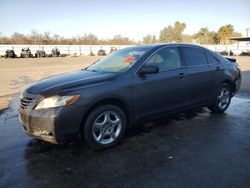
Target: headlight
[{"x": 56, "y": 101}]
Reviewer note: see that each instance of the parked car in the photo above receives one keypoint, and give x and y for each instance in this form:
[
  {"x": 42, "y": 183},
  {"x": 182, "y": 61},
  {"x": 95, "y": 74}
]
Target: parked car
[
  {"x": 55, "y": 52},
  {"x": 224, "y": 53},
  {"x": 101, "y": 52},
  {"x": 26, "y": 53},
  {"x": 10, "y": 54},
  {"x": 245, "y": 53},
  {"x": 112, "y": 49},
  {"x": 236, "y": 52},
  {"x": 131, "y": 85},
  {"x": 40, "y": 53}
]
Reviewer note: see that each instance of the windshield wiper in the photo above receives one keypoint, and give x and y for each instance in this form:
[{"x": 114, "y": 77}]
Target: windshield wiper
[{"x": 92, "y": 70}]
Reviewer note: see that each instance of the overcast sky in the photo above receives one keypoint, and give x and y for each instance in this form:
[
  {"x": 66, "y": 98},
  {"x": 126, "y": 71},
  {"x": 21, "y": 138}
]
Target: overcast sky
[{"x": 130, "y": 18}]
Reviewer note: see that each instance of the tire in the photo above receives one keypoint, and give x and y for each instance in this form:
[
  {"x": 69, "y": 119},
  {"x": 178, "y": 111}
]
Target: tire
[
  {"x": 105, "y": 127},
  {"x": 222, "y": 99}
]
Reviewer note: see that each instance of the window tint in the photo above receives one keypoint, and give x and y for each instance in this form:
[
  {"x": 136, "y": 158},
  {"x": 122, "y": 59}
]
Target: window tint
[
  {"x": 194, "y": 56},
  {"x": 211, "y": 59},
  {"x": 167, "y": 58}
]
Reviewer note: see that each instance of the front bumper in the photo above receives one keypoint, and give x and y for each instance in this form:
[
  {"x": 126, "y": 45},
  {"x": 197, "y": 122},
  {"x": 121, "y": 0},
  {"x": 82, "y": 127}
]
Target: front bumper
[
  {"x": 55, "y": 125},
  {"x": 40, "y": 125}
]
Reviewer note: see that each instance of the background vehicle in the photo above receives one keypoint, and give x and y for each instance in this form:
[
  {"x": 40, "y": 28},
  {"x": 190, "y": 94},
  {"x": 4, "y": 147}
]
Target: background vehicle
[
  {"x": 245, "y": 53},
  {"x": 40, "y": 53},
  {"x": 101, "y": 52},
  {"x": 26, "y": 53},
  {"x": 112, "y": 49},
  {"x": 10, "y": 54},
  {"x": 55, "y": 52},
  {"x": 131, "y": 85}
]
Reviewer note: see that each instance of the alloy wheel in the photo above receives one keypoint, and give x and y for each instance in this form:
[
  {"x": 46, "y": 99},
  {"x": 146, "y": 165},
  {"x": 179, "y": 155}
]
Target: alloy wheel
[
  {"x": 107, "y": 127},
  {"x": 223, "y": 98}
]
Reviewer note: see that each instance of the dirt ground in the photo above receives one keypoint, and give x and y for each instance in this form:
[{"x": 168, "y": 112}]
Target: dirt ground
[{"x": 17, "y": 74}]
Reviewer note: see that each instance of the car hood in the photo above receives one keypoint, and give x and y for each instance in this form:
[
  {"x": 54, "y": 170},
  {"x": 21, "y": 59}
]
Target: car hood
[{"x": 60, "y": 83}]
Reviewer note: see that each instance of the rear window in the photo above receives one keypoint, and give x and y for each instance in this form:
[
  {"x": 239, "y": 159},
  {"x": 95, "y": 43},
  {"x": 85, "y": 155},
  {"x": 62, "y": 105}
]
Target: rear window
[
  {"x": 211, "y": 59},
  {"x": 194, "y": 56},
  {"x": 220, "y": 58}
]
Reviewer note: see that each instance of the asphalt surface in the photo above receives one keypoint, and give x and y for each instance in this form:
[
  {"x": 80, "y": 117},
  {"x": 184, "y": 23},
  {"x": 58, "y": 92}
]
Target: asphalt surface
[{"x": 195, "y": 149}]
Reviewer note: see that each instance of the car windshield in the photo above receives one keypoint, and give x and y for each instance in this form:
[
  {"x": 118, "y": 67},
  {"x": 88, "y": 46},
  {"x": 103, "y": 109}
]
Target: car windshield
[{"x": 119, "y": 61}]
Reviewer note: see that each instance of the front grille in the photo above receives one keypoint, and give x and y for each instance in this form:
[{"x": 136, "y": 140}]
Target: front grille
[{"x": 28, "y": 101}]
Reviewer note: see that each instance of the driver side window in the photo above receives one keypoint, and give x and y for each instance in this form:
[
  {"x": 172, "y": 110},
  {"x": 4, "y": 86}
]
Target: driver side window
[{"x": 167, "y": 58}]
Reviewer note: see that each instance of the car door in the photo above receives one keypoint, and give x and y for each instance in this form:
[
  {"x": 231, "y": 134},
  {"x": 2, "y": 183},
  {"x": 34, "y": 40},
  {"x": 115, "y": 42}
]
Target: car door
[
  {"x": 199, "y": 77},
  {"x": 216, "y": 70},
  {"x": 163, "y": 91}
]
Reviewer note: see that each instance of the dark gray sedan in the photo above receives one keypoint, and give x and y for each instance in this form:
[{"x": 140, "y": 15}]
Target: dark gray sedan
[{"x": 131, "y": 85}]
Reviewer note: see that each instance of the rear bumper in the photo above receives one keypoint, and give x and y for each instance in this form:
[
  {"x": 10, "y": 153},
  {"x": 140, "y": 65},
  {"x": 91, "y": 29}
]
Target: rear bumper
[
  {"x": 55, "y": 125},
  {"x": 237, "y": 85}
]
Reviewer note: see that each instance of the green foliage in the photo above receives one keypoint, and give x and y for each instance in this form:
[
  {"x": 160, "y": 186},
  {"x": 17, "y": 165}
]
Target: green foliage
[
  {"x": 187, "y": 39},
  {"x": 224, "y": 33},
  {"x": 172, "y": 33},
  {"x": 149, "y": 39},
  {"x": 119, "y": 40},
  {"x": 168, "y": 34},
  {"x": 204, "y": 36},
  {"x": 46, "y": 38}
]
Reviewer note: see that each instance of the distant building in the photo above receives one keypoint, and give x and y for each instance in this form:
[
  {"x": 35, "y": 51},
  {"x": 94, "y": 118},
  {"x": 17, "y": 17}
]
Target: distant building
[{"x": 242, "y": 41}]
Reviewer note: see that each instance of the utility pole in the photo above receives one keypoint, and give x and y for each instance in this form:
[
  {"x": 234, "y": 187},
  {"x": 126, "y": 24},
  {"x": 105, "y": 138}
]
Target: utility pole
[{"x": 247, "y": 29}]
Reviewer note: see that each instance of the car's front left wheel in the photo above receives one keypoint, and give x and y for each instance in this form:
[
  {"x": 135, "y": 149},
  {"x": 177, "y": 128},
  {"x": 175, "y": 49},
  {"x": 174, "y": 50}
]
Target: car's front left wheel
[{"x": 105, "y": 126}]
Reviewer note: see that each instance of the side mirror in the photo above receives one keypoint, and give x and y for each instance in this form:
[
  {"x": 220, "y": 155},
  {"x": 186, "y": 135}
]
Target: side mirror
[{"x": 149, "y": 69}]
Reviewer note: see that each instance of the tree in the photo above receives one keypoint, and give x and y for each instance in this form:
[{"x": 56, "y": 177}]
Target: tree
[
  {"x": 202, "y": 35},
  {"x": 19, "y": 38},
  {"x": 187, "y": 39},
  {"x": 154, "y": 39},
  {"x": 56, "y": 38},
  {"x": 35, "y": 37},
  {"x": 167, "y": 35},
  {"x": 119, "y": 40},
  {"x": 149, "y": 39},
  {"x": 179, "y": 28},
  {"x": 46, "y": 37},
  {"x": 212, "y": 38},
  {"x": 172, "y": 33},
  {"x": 224, "y": 33}
]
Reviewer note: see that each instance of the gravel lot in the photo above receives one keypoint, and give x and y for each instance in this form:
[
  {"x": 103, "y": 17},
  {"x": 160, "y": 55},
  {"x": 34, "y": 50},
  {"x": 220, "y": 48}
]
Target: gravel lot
[{"x": 194, "y": 149}]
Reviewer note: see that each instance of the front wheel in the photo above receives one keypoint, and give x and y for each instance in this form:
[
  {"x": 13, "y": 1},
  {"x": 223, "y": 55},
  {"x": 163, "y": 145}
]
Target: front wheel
[
  {"x": 105, "y": 127},
  {"x": 222, "y": 99}
]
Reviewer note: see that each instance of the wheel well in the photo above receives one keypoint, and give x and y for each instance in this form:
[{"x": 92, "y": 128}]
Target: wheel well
[
  {"x": 231, "y": 84},
  {"x": 112, "y": 101}
]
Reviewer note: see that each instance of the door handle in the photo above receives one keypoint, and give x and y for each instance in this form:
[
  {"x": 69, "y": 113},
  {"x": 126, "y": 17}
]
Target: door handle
[
  {"x": 219, "y": 68},
  {"x": 182, "y": 75}
]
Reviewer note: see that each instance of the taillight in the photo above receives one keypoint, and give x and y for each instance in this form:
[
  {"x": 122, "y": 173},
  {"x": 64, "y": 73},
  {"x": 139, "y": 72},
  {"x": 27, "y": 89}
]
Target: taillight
[{"x": 238, "y": 70}]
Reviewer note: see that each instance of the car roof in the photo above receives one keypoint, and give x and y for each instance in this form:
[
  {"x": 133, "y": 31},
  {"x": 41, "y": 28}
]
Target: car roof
[
  {"x": 170, "y": 44},
  {"x": 157, "y": 46}
]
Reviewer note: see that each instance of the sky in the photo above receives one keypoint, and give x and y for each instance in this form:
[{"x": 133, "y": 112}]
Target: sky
[{"x": 129, "y": 18}]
